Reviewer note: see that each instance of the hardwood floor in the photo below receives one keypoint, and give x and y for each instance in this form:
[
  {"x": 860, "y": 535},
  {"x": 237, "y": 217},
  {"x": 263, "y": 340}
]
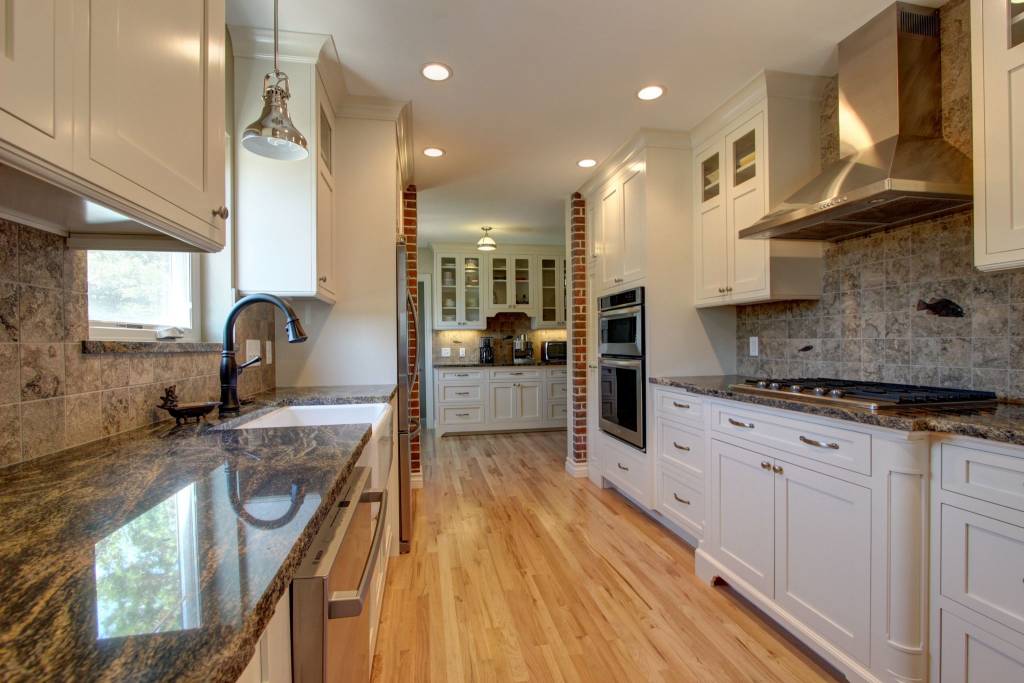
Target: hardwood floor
[{"x": 520, "y": 573}]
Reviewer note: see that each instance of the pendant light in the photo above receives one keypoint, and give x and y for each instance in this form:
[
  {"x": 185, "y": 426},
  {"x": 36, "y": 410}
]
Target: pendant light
[
  {"x": 486, "y": 243},
  {"x": 273, "y": 134}
]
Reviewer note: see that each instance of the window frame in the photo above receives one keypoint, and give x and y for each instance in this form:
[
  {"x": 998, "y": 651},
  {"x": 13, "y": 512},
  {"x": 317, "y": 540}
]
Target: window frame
[{"x": 108, "y": 330}]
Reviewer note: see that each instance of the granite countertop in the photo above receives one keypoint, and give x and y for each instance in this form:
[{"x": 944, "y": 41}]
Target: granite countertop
[
  {"x": 533, "y": 364},
  {"x": 99, "y": 540},
  {"x": 1002, "y": 421}
]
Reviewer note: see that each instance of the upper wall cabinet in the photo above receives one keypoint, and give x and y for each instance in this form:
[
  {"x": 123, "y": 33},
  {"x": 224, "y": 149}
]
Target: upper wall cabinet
[
  {"x": 621, "y": 229},
  {"x": 754, "y": 151},
  {"x": 997, "y": 54},
  {"x": 512, "y": 284},
  {"x": 286, "y": 209},
  {"x": 551, "y": 287},
  {"x": 459, "y": 292},
  {"x": 118, "y": 104}
]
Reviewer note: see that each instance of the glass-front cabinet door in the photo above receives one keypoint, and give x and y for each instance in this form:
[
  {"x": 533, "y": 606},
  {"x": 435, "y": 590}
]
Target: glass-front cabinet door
[
  {"x": 459, "y": 298},
  {"x": 472, "y": 312},
  {"x": 552, "y": 292},
  {"x": 511, "y": 284},
  {"x": 521, "y": 265},
  {"x": 500, "y": 283},
  {"x": 448, "y": 277}
]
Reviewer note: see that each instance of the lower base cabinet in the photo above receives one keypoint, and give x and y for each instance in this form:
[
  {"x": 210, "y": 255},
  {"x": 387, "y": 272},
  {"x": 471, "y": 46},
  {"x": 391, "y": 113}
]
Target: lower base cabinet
[
  {"x": 969, "y": 654},
  {"x": 495, "y": 399}
]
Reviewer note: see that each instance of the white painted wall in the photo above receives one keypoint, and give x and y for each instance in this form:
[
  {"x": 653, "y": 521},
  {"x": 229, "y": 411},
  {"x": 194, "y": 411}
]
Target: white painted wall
[{"x": 354, "y": 341}]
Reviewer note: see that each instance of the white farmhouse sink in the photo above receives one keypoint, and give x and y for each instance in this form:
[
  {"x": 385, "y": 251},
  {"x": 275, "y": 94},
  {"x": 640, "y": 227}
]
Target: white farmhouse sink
[{"x": 315, "y": 416}]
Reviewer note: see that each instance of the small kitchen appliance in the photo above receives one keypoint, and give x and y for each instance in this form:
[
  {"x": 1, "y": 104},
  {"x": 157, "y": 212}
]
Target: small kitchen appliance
[
  {"x": 554, "y": 351},
  {"x": 486, "y": 351},
  {"x": 522, "y": 350}
]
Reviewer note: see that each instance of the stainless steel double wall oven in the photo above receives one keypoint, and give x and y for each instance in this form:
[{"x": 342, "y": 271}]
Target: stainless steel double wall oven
[{"x": 621, "y": 366}]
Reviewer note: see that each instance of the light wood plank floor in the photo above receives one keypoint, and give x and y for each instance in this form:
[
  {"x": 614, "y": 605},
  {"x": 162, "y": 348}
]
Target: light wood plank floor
[{"x": 520, "y": 573}]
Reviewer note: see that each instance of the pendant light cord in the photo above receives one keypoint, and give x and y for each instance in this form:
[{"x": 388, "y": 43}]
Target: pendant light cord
[{"x": 277, "y": 68}]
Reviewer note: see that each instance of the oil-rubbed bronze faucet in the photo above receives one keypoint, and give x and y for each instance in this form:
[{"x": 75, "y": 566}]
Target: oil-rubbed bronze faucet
[{"x": 229, "y": 369}]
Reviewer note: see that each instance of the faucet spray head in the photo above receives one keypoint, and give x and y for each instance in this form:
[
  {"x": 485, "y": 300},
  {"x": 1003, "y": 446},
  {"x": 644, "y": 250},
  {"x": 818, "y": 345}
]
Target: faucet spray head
[{"x": 296, "y": 334}]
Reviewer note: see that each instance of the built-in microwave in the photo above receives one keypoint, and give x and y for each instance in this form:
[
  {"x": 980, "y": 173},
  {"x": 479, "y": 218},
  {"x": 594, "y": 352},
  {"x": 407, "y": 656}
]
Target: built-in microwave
[{"x": 621, "y": 324}]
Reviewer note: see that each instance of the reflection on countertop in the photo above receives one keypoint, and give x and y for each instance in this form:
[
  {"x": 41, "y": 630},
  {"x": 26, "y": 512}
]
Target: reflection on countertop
[
  {"x": 1001, "y": 421},
  {"x": 160, "y": 554}
]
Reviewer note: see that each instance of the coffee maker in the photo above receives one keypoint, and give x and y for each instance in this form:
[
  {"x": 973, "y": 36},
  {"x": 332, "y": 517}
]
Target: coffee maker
[
  {"x": 522, "y": 350},
  {"x": 486, "y": 351}
]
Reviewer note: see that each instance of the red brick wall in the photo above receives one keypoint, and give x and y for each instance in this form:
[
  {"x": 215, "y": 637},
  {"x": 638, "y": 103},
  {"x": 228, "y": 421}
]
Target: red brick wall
[
  {"x": 578, "y": 328},
  {"x": 409, "y": 229}
]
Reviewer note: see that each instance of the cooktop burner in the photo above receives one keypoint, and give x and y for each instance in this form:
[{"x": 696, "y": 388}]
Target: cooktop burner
[{"x": 870, "y": 395}]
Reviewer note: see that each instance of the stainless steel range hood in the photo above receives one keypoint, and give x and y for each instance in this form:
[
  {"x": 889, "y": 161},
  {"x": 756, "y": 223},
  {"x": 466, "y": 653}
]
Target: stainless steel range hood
[{"x": 895, "y": 167}]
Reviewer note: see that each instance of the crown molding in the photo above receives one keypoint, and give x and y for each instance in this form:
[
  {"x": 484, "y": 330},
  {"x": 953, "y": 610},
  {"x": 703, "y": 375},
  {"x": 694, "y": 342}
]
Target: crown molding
[
  {"x": 377, "y": 108},
  {"x": 645, "y": 138}
]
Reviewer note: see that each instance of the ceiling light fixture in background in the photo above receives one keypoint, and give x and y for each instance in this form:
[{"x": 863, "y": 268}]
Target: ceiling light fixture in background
[
  {"x": 433, "y": 152},
  {"x": 586, "y": 163},
  {"x": 273, "y": 134},
  {"x": 486, "y": 243},
  {"x": 436, "y": 71},
  {"x": 650, "y": 92}
]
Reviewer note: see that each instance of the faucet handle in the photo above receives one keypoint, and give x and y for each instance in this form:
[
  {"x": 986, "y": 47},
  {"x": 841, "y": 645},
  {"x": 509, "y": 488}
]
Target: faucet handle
[{"x": 251, "y": 361}]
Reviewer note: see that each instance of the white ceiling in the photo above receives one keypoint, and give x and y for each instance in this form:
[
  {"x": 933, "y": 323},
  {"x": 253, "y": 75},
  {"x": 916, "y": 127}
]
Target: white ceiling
[{"x": 539, "y": 84}]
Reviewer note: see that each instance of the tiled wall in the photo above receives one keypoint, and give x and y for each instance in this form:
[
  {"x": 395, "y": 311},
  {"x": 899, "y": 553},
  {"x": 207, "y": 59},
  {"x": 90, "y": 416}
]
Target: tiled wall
[
  {"x": 53, "y": 396},
  {"x": 866, "y": 325},
  {"x": 501, "y": 327}
]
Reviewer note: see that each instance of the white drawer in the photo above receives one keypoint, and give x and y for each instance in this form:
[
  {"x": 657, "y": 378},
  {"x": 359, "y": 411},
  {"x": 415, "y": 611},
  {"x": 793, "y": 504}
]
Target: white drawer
[
  {"x": 558, "y": 372},
  {"x": 681, "y": 499},
  {"x": 834, "y": 446},
  {"x": 514, "y": 373},
  {"x": 968, "y": 654},
  {"x": 558, "y": 411},
  {"x": 679, "y": 406},
  {"x": 459, "y": 375},
  {"x": 460, "y": 393},
  {"x": 992, "y": 477},
  {"x": 461, "y": 415},
  {"x": 629, "y": 470},
  {"x": 983, "y": 565},
  {"x": 557, "y": 390},
  {"x": 683, "y": 446}
]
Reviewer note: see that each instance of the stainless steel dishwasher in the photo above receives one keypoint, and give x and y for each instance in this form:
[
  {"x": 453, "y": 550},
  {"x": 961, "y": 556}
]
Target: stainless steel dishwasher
[{"x": 330, "y": 591}]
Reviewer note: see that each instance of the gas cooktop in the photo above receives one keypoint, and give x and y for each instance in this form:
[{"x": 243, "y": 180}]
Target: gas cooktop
[{"x": 852, "y": 393}]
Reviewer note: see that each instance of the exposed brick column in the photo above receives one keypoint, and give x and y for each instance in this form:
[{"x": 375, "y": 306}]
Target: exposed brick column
[
  {"x": 578, "y": 244},
  {"x": 409, "y": 229}
]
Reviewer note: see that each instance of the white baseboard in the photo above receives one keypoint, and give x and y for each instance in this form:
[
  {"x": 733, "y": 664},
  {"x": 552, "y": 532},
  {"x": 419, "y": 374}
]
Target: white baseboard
[
  {"x": 575, "y": 469},
  {"x": 416, "y": 480}
]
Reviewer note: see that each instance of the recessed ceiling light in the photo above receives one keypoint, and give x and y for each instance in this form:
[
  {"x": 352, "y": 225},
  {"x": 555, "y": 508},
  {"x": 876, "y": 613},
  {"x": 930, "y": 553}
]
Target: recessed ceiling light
[
  {"x": 436, "y": 71},
  {"x": 586, "y": 163},
  {"x": 433, "y": 152},
  {"x": 651, "y": 92}
]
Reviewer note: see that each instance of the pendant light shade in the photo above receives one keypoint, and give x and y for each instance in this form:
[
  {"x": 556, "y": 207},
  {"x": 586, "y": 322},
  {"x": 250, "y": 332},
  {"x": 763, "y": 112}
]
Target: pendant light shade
[
  {"x": 273, "y": 135},
  {"x": 486, "y": 243}
]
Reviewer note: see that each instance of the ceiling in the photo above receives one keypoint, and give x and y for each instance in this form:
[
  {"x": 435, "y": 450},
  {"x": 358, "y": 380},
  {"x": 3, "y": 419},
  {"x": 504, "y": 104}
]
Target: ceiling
[{"x": 540, "y": 84}]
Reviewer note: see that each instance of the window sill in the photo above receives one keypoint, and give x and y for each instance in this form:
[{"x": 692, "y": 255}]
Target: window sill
[{"x": 98, "y": 346}]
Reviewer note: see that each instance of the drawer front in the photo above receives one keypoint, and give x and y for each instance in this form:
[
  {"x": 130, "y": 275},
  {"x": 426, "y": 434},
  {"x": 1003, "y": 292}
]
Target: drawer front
[
  {"x": 983, "y": 565},
  {"x": 827, "y": 444},
  {"x": 993, "y": 477},
  {"x": 459, "y": 375},
  {"x": 558, "y": 372},
  {"x": 968, "y": 654},
  {"x": 558, "y": 411},
  {"x": 557, "y": 390},
  {"x": 462, "y": 415},
  {"x": 505, "y": 374},
  {"x": 461, "y": 393},
  {"x": 681, "y": 499},
  {"x": 679, "y": 406},
  {"x": 629, "y": 471},
  {"x": 682, "y": 446}
]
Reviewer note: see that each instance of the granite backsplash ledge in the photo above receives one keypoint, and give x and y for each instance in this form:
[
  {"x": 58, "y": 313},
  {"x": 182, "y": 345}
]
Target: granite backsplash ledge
[{"x": 52, "y": 395}]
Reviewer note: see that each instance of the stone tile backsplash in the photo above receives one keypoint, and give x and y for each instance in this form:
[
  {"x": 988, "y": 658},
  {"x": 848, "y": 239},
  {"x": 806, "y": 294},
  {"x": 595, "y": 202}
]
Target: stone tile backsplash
[
  {"x": 54, "y": 396},
  {"x": 502, "y": 328}
]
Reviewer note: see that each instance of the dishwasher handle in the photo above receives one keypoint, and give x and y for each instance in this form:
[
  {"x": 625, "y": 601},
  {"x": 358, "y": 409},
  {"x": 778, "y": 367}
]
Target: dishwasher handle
[{"x": 344, "y": 604}]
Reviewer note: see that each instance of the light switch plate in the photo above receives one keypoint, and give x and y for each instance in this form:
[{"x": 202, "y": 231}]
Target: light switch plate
[
  {"x": 753, "y": 346},
  {"x": 462, "y": 352},
  {"x": 270, "y": 353},
  {"x": 252, "y": 349},
  {"x": 446, "y": 352}
]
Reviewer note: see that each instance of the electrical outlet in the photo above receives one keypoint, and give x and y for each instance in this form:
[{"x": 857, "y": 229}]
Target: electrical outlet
[
  {"x": 252, "y": 349},
  {"x": 446, "y": 352},
  {"x": 270, "y": 353},
  {"x": 753, "y": 346},
  {"x": 462, "y": 352}
]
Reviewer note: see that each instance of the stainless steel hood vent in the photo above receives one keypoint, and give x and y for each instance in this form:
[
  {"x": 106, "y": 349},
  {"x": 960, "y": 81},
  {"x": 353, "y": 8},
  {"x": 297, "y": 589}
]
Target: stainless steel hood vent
[{"x": 895, "y": 167}]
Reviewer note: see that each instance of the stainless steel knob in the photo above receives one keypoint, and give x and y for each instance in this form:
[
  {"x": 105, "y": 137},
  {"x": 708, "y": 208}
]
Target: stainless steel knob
[
  {"x": 795, "y": 388},
  {"x": 837, "y": 393},
  {"x": 221, "y": 213},
  {"x": 775, "y": 386},
  {"x": 820, "y": 391}
]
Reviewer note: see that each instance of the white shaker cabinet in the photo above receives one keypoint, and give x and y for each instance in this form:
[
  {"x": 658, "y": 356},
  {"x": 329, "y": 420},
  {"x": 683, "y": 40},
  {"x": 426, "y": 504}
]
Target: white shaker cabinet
[
  {"x": 459, "y": 291},
  {"x": 35, "y": 77},
  {"x": 512, "y": 284},
  {"x": 551, "y": 300},
  {"x": 622, "y": 229},
  {"x": 286, "y": 209},
  {"x": 997, "y": 31}
]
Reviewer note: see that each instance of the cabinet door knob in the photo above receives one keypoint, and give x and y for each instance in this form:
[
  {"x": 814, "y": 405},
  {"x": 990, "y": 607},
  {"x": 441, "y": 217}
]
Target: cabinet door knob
[
  {"x": 680, "y": 446},
  {"x": 680, "y": 500},
  {"x": 766, "y": 465},
  {"x": 622, "y": 467},
  {"x": 777, "y": 469},
  {"x": 728, "y": 289},
  {"x": 721, "y": 290},
  {"x": 322, "y": 278},
  {"x": 221, "y": 213}
]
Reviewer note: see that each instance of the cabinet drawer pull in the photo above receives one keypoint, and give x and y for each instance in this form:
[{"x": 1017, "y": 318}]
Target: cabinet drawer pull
[
  {"x": 777, "y": 469},
  {"x": 462, "y": 393},
  {"x": 462, "y": 374},
  {"x": 517, "y": 374},
  {"x": 677, "y": 404},
  {"x": 680, "y": 500},
  {"x": 766, "y": 465},
  {"x": 622, "y": 467},
  {"x": 461, "y": 414},
  {"x": 819, "y": 444},
  {"x": 680, "y": 446},
  {"x": 738, "y": 423}
]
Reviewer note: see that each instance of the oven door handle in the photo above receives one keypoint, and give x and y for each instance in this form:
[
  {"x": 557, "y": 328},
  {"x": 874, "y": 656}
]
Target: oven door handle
[
  {"x": 626, "y": 312},
  {"x": 344, "y": 604},
  {"x": 621, "y": 362}
]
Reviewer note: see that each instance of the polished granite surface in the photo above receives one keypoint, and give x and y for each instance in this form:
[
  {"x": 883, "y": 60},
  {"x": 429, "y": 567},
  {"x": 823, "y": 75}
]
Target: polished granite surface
[
  {"x": 160, "y": 554},
  {"x": 1001, "y": 421}
]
